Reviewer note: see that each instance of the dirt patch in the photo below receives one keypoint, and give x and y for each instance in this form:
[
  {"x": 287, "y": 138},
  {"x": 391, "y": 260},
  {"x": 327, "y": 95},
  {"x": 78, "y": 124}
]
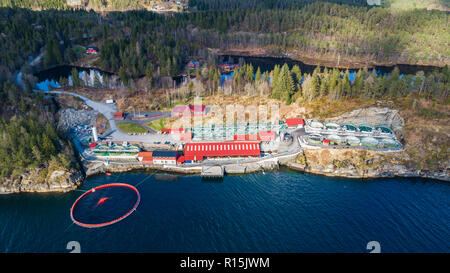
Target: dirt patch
[{"x": 102, "y": 124}]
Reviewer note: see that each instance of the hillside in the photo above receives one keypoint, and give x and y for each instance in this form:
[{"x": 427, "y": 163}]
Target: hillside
[{"x": 97, "y": 5}]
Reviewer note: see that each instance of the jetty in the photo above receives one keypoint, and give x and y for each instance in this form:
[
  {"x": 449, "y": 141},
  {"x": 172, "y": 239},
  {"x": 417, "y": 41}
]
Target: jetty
[{"x": 212, "y": 172}]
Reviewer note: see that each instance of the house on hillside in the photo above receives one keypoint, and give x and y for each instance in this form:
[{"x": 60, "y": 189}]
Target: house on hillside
[
  {"x": 188, "y": 110},
  {"x": 194, "y": 64},
  {"x": 92, "y": 50}
]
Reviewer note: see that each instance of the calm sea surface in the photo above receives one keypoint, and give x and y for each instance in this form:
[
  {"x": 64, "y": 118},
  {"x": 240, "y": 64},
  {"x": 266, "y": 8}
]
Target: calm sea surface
[{"x": 281, "y": 211}]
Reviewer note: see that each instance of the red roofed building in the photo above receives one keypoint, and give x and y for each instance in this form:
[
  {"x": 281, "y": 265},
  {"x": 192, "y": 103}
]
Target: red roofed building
[
  {"x": 246, "y": 138},
  {"x": 92, "y": 50},
  {"x": 119, "y": 115},
  {"x": 180, "y": 159},
  {"x": 221, "y": 149},
  {"x": 146, "y": 157},
  {"x": 295, "y": 122},
  {"x": 93, "y": 145},
  {"x": 188, "y": 110}
]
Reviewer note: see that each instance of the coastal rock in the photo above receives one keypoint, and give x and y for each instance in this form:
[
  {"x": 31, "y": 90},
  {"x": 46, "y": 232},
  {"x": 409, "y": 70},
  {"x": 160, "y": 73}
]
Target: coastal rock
[
  {"x": 362, "y": 163},
  {"x": 38, "y": 180}
]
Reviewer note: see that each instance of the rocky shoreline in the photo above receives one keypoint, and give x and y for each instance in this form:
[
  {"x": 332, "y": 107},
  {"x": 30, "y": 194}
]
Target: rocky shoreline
[
  {"x": 32, "y": 181},
  {"x": 64, "y": 181},
  {"x": 395, "y": 171}
]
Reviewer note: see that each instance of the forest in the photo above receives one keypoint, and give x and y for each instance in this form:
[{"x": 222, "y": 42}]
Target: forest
[
  {"x": 262, "y": 4},
  {"x": 292, "y": 85},
  {"x": 28, "y": 137},
  {"x": 140, "y": 42}
]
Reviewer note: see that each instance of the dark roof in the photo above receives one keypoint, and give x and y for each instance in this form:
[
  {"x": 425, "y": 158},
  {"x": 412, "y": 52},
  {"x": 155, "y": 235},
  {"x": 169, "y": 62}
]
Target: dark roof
[{"x": 164, "y": 153}]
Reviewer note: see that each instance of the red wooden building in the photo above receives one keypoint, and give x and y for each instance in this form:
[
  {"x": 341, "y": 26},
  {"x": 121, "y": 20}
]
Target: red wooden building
[
  {"x": 92, "y": 50},
  {"x": 119, "y": 115}
]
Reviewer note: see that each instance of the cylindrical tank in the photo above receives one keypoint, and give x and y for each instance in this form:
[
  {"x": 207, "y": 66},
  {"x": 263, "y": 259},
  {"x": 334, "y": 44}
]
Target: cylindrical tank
[{"x": 94, "y": 134}]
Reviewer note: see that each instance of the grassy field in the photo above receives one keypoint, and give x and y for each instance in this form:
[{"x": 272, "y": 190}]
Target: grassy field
[
  {"x": 128, "y": 127},
  {"x": 158, "y": 125}
]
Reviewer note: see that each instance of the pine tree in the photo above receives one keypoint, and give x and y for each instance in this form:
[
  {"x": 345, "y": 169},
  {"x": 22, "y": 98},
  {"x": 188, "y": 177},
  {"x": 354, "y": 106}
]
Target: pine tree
[
  {"x": 258, "y": 75},
  {"x": 75, "y": 77},
  {"x": 286, "y": 84},
  {"x": 297, "y": 74}
]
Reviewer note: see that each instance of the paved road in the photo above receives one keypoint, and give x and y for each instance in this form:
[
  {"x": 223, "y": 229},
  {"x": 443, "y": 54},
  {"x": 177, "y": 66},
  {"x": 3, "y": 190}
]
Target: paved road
[
  {"x": 114, "y": 134},
  {"x": 150, "y": 117}
]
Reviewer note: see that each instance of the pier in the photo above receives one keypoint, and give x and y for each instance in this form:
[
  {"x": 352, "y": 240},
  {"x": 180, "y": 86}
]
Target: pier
[{"x": 212, "y": 172}]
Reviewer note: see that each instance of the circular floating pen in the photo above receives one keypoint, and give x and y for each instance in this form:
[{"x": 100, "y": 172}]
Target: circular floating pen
[{"x": 105, "y": 205}]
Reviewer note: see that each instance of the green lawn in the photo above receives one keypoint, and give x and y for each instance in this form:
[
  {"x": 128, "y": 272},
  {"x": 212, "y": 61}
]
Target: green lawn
[
  {"x": 128, "y": 127},
  {"x": 158, "y": 125}
]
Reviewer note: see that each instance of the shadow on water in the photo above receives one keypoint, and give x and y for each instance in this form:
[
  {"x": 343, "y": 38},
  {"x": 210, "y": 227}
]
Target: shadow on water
[{"x": 268, "y": 64}]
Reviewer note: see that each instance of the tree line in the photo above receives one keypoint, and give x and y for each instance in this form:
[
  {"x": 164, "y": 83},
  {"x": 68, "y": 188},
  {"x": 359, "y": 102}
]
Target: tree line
[{"x": 292, "y": 85}]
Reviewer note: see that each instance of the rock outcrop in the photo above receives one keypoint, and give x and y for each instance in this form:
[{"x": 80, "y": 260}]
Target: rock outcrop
[
  {"x": 71, "y": 118},
  {"x": 362, "y": 163},
  {"x": 39, "y": 180}
]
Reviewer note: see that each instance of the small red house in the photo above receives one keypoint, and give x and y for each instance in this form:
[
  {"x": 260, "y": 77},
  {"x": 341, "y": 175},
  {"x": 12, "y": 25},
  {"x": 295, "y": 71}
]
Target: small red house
[
  {"x": 188, "y": 110},
  {"x": 119, "y": 115},
  {"x": 92, "y": 50},
  {"x": 194, "y": 64}
]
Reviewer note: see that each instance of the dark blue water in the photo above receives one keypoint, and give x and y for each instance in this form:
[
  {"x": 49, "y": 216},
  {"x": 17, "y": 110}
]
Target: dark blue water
[{"x": 281, "y": 211}]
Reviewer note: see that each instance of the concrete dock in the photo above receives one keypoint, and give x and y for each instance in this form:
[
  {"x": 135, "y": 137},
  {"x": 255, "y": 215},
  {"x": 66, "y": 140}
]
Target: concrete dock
[{"x": 212, "y": 172}]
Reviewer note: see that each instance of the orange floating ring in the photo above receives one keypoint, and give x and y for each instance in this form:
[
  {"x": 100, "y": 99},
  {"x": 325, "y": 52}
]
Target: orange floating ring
[{"x": 101, "y": 201}]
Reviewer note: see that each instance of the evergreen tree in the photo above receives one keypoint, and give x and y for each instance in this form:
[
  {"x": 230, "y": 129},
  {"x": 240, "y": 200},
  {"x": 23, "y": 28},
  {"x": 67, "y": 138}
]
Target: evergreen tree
[{"x": 258, "y": 75}]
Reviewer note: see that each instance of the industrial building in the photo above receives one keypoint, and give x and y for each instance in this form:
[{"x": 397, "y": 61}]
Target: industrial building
[
  {"x": 199, "y": 151},
  {"x": 237, "y": 132},
  {"x": 113, "y": 149}
]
